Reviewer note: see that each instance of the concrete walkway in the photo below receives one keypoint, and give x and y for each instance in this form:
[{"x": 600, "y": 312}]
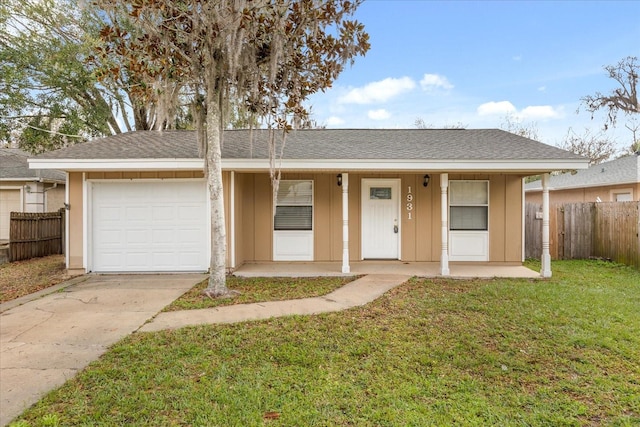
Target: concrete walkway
[
  {"x": 353, "y": 294},
  {"x": 47, "y": 340}
]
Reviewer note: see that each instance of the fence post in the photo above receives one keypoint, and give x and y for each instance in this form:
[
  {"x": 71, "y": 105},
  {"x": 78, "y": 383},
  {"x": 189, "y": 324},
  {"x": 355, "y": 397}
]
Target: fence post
[
  {"x": 638, "y": 235},
  {"x": 63, "y": 231}
]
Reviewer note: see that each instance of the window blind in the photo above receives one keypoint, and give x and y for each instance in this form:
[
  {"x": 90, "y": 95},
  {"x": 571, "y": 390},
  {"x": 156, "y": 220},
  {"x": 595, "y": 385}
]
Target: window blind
[
  {"x": 294, "y": 206},
  {"x": 468, "y": 205}
]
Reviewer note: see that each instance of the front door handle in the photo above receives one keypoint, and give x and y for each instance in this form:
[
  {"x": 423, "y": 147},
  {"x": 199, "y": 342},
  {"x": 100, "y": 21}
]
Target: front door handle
[{"x": 395, "y": 229}]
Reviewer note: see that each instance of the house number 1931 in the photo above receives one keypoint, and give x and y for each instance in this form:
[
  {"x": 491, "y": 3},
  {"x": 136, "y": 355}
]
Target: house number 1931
[{"x": 409, "y": 205}]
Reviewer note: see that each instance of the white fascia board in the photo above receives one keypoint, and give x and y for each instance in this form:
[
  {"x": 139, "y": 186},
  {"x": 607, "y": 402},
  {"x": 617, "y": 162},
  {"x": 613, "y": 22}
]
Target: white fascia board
[
  {"x": 391, "y": 165},
  {"x": 406, "y": 165},
  {"x": 579, "y": 186},
  {"x": 43, "y": 180},
  {"x": 116, "y": 164}
]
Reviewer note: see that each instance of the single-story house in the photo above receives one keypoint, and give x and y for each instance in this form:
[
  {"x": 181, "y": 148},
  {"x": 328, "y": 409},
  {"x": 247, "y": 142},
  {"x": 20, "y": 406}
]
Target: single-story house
[
  {"x": 614, "y": 181},
  {"x": 26, "y": 190},
  {"x": 138, "y": 201}
]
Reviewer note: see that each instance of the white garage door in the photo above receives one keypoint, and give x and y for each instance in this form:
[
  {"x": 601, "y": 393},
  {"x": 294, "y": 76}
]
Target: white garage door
[
  {"x": 149, "y": 226},
  {"x": 9, "y": 202}
]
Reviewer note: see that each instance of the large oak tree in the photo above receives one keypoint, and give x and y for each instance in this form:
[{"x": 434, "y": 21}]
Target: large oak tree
[
  {"x": 267, "y": 56},
  {"x": 54, "y": 89}
]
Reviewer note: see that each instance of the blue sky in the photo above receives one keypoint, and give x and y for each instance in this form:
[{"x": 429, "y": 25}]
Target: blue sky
[{"x": 450, "y": 62}]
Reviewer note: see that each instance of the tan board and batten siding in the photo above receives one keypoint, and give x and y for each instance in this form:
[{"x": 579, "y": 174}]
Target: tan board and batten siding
[{"x": 420, "y": 236}]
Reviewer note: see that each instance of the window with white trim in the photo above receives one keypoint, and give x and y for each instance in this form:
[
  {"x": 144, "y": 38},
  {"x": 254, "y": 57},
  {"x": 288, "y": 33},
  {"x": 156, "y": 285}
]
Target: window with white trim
[
  {"x": 294, "y": 206},
  {"x": 469, "y": 205}
]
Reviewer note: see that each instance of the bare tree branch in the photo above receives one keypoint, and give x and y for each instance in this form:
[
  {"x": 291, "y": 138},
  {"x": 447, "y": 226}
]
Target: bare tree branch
[{"x": 622, "y": 99}]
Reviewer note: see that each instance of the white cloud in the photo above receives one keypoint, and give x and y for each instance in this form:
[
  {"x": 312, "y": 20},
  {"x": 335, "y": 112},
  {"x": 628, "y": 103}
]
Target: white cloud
[
  {"x": 430, "y": 82},
  {"x": 380, "y": 114},
  {"x": 532, "y": 112},
  {"x": 335, "y": 121},
  {"x": 542, "y": 89},
  {"x": 517, "y": 57},
  {"x": 537, "y": 112},
  {"x": 494, "y": 108},
  {"x": 377, "y": 92}
]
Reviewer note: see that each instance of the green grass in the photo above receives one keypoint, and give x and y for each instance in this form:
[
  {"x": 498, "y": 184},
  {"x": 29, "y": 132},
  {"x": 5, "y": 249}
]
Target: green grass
[
  {"x": 505, "y": 352},
  {"x": 260, "y": 289}
]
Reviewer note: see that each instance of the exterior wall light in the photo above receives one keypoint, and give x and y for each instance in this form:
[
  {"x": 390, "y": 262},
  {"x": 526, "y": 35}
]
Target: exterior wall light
[
  {"x": 339, "y": 179},
  {"x": 425, "y": 181}
]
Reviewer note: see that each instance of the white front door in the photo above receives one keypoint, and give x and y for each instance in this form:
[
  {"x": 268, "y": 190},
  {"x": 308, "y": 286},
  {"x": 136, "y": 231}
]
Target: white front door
[{"x": 380, "y": 218}]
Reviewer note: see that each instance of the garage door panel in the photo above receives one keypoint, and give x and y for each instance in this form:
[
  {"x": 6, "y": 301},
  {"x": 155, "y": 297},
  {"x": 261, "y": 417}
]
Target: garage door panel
[
  {"x": 189, "y": 258},
  {"x": 110, "y": 259},
  {"x": 164, "y": 236},
  {"x": 190, "y": 236},
  {"x": 149, "y": 226},
  {"x": 137, "y": 213},
  {"x": 190, "y": 213},
  {"x": 137, "y": 261},
  {"x": 111, "y": 237},
  {"x": 164, "y": 258},
  {"x": 137, "y": 237},
  {"x": 163, "y": 213},
  {"x": 109, "y": 214}
]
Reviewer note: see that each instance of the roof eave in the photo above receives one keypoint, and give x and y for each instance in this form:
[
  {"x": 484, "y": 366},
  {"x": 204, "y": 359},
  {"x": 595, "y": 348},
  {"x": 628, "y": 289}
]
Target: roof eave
[
  {"x": 579, "y": 186},
  {"x": 73, "y": 165},
  {"x": 34, "y": 179},
  {"x": 407, "y": 165},
  {"x": 529, "y": 166}
]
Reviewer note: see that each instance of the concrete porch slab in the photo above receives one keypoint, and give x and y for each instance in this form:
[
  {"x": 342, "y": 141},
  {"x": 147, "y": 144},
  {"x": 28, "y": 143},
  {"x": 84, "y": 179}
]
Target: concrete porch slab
[{"x": 419, "y": 269}]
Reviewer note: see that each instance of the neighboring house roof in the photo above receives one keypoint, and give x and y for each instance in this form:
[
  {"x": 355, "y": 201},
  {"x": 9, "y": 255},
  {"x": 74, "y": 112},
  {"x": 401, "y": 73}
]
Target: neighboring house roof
[
  {"x": 14, "y": 167},
  {"x": 625, "y": 170},
  {"x": 323, "y": 149}
]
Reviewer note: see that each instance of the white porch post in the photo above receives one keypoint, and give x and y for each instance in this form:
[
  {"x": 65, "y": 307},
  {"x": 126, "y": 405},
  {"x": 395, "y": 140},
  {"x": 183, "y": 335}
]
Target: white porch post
[
  {"x": 232, "y": 221},
  {"x": 545, "y": 270},
  {"x": 346, "y": 268},
  {"x": 67, "y": 207},
  {"x": 444, "y": 256}
]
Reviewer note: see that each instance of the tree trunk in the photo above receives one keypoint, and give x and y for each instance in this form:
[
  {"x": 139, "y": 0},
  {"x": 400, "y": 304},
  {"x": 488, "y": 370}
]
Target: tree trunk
[{"x": 217, "y": 279}]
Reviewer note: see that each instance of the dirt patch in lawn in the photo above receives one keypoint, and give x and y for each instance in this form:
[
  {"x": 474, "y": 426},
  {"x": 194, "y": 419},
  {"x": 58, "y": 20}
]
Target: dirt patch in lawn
[{"x": 26, "y": 277}]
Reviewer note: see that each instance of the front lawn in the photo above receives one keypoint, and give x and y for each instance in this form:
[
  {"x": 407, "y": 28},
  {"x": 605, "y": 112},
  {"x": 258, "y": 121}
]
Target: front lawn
[
  {"x": 564, "y": 351},
  {"x": 260, "y": 289}
]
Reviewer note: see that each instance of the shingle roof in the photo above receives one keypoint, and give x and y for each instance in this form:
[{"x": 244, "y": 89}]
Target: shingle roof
[
  {"x": 620, "y": 171},
  {"x": 388, "y": 144},
  {"x": 14, "y": 166}
]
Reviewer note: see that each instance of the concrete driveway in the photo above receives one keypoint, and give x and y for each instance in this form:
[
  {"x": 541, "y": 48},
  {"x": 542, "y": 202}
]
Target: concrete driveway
[{"x": 46, "y": 341}]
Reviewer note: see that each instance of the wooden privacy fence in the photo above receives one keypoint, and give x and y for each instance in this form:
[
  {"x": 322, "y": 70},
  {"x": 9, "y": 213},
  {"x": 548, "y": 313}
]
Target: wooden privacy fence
[
  {"x": 617, "y": 230},
  {"x": 34, "y": 235},
  {"x": 608, "y": 230}
]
